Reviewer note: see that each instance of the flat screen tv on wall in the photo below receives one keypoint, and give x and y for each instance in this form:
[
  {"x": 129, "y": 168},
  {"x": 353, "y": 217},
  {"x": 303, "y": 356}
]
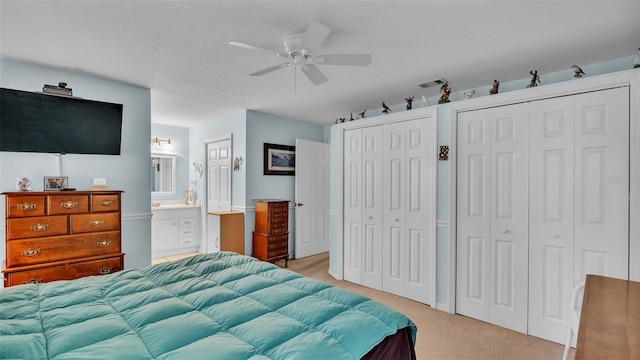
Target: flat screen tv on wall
[{"x": 36, "y": 122}]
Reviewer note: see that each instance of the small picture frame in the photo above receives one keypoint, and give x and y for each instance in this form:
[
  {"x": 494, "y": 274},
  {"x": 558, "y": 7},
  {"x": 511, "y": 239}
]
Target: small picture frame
[
  {"x": 55, "y": 183},
  {"x": 279, "y": 159}
]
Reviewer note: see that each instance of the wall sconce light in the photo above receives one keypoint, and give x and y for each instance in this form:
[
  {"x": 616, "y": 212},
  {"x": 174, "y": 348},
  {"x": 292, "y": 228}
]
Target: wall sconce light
[
  {"x": 156, "y": 164},
  {"x": 156, "y": 144}
]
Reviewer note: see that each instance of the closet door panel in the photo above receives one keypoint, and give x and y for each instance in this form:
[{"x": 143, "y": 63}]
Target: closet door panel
[
  {"x": 551, "y": 201},
  {"x": 420, "y": 160},
  {"x": 509, "y": 216},
  {"x": 372, "y": 207},
  {"x": 602, "y": 184},
  {"x": 474, "y": 214},
  {"x": 353, "y": 206},
  {"x": 394, "y": 192}
]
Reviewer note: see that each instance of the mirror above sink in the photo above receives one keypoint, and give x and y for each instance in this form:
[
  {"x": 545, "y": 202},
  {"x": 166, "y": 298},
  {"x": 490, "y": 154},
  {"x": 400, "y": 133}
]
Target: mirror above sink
[{"x": 163, "y": 174}]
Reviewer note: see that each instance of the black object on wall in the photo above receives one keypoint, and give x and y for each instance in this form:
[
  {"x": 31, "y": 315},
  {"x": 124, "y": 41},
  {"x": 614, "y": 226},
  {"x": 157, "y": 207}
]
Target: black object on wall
[{"x": 36, "y": 122}]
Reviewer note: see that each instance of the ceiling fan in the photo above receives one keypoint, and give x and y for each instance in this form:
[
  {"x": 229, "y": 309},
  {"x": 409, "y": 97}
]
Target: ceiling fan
[{"x": 299, "y": 49}]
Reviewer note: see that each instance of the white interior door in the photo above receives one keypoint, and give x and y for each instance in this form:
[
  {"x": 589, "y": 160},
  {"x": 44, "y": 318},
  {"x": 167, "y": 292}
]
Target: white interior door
[
  {"x": 371, "y": 187},
  {"x": 219, "y": 175},
  {"x": 312, "y": 198}
]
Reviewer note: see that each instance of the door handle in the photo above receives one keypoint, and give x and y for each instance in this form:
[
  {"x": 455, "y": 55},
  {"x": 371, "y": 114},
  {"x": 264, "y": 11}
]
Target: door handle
[
  {"x": 299, "y": 204},
  {"x": 505, "y": 231}
]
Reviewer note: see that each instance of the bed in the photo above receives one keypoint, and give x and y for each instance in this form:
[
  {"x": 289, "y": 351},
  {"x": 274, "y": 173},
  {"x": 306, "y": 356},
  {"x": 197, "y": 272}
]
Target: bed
[{"x": 217, "y": 306}]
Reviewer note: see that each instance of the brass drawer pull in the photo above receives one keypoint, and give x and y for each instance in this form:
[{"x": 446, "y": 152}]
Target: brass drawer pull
[
  {"x": 103, "y": 243},
  {"x": 104, "y": 271},
  {"x": 33, "y": 281},
  {"x": 27, "y": 206},
  {"x": 39, "y": 227},
  {"x": 30, "y": 252},
  {"x": 96, "y": 222},
  {"x": 69, "y": 204},
  {"x": 106, "y": 203}
]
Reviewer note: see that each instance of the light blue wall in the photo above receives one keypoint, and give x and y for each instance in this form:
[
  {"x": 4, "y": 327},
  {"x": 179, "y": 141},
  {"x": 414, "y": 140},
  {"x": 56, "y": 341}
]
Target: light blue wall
[
  {"x": 127, "y": 172},
  {"x": 180, "y": 140},
  {"x": 249, "y": 131}
]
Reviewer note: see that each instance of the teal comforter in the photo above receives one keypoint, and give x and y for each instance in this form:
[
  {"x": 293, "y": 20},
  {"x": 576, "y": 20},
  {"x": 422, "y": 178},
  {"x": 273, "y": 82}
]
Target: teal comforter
[{"x": 217, "y": 306}]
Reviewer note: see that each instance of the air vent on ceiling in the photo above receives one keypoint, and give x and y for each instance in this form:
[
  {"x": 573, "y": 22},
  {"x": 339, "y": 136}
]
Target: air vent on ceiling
[{"x": 430, "y": 83}]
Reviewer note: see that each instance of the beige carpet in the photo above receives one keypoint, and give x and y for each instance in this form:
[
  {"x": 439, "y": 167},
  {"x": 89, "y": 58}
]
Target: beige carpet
[{"x": 442, "y": 335}]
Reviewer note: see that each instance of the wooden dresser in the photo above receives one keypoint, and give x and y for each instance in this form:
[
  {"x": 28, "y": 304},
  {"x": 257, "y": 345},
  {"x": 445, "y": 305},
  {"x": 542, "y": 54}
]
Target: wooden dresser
[
  {"x": 61, "y": 235},
  {"x": 271, "y": 234}
]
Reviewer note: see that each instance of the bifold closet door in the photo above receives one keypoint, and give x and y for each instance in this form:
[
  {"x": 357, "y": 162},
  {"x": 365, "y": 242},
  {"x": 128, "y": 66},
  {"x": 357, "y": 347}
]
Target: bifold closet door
[
  {"x": 579, "y": 212},
  {"x": 363, "y": 206},
  {"x": 408, "y": 162},
  {"x": 492, "y": 215},
  {"x": 551, "y": 216}
]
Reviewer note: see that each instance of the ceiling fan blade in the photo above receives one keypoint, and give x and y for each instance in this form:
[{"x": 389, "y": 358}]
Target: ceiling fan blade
[
  {"x": 350, "y": 60},
  {"x": 314, "y": 36},
  {"x": 258, "y": 48},
  {"x": 268, "y": 70},
  {"x": 314, "y": 74}
]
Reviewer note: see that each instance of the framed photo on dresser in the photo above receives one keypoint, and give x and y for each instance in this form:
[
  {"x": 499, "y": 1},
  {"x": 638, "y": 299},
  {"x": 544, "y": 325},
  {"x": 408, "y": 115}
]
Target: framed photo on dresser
[{"x": 55, "y": 183}]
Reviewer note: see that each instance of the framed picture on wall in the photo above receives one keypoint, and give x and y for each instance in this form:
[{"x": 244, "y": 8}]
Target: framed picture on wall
[
  {"x": 279, "y": 159},
  {"x": 55, "y": 183}
]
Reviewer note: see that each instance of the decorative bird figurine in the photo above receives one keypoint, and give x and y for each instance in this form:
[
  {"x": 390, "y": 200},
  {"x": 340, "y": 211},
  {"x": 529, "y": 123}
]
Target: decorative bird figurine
[
  {"x": 409, "y": 101},
  {"x": 362, "y": 113},
  {"x": 446, "y": 91},
  {"x": 636, "y": 63},
  {"x": 535, "y": 79},
  {"x": 385, "y": 108},
  {"x": 577, "y": 71},
  {"x": 494, "y": 89}
]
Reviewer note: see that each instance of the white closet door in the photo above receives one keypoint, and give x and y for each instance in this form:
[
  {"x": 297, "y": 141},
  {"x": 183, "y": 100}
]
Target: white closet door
[
  {"x": 551, "y": 217},
  {"x": 420, "y": 209},
  {"x": 602, "y": 184},
  {"x": 493, "y": 172},
  {"x": 510, "y": 216},
  {"x": 394, "y": 194},
  {"x": 353, "y": 205},
  {"x": 407, "y": 240},
  {"x": 473, "y": 214},
  {"x": 372, "y": 207}
]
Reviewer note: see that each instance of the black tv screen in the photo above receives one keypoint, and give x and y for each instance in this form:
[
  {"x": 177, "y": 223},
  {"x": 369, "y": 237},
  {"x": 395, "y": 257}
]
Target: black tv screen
[{"x": 36, "y": 122}]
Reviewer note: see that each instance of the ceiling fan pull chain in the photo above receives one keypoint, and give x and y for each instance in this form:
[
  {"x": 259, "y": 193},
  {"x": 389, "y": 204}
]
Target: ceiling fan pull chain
[{"x": 295, "y": 78}]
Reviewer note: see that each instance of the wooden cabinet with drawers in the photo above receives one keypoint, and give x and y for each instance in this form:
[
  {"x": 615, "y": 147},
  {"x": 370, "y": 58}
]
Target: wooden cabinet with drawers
[
  {"x": 61, "y": 235},
  {"x": 271, "y": 234}
]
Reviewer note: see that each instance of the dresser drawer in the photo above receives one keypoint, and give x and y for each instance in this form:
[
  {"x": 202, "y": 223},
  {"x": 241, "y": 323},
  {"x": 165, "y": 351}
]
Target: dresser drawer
[
  {"x": 21, "y": 206},
  {"x": 65, "y": 271},
  {"x": 105, "y": 203},
  {"x": 23, "y": 252},
  {"x": 20, "y": 228},
  {"x": 67, "y": 204},
  {"x": 85, "y": 223}
]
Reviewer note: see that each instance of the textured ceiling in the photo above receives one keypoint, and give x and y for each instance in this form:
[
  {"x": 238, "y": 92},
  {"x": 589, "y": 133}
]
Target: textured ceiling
[{"x": 179, "y": 49}]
